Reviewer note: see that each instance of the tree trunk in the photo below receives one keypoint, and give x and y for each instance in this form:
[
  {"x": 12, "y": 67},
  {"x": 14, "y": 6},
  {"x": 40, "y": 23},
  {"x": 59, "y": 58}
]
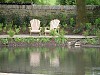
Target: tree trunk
[{"x": 81, "y": 13}]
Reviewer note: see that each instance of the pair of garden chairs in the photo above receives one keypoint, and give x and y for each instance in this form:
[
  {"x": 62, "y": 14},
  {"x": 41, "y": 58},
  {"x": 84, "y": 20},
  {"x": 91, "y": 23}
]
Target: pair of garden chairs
[{"x": 35, "y": 26}]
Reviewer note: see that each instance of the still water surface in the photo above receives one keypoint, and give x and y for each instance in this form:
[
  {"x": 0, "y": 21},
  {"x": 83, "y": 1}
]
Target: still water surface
[{"x": 52, "y": 61}]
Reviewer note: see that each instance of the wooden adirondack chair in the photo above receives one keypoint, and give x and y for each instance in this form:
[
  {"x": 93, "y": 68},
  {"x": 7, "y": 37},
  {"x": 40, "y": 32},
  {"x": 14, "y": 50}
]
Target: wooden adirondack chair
[
  {"x": 54, "y": 25},
  {"x": 35, "y": 26}
]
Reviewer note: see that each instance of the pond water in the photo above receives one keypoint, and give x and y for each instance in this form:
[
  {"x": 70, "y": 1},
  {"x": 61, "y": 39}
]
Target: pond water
[{"x": 51, "y": 60}]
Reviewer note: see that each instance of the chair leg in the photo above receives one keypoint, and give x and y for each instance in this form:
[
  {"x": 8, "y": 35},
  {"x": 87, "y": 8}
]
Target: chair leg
[
  {"x": 45, "y": 33},
  {"x": 30, "y": 33},
  {"x": 40, "y": 34}
]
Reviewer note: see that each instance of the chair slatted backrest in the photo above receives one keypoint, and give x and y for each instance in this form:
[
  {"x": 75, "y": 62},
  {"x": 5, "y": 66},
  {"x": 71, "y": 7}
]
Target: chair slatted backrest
[
  {"x": 54, "y": 24},
  {"x": 35, "y": 24}
]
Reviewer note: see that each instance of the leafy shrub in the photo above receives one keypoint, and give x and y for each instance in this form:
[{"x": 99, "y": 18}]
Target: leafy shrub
[
  {"x": 45, "y": 40},
  {"x": 4, "y": 41},
  {"x": 53, "y": 32},
  {"x": 88, "y": 26},
  {"x": 91, "y": 41},
  {"x": 26, "y": 19},
  {"x": 62, "y": 32},
  {"x": 98, "y": 33},
  {"x": 97, "y": 22},
  {"x": 16, "y": 19},
  {"x": 11, "y": 32},
  {"x": 3, "y": 18},
  {"x": 24, "y": 27},
  {"x": 86, "y": 33},
  {"x": 18, "y": 39},
  {"x": 1, "y": 24},
  {"x": 17, "y": 30},
  {"x": 60, "y": 39},
  {"x": 72, "y": 22}
]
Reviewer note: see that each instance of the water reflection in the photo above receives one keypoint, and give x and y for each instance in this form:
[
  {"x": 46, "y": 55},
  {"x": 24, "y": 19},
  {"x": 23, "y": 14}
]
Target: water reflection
[
  {"x": 53, "y": 61},
  {"x": 35, "y": 59}
]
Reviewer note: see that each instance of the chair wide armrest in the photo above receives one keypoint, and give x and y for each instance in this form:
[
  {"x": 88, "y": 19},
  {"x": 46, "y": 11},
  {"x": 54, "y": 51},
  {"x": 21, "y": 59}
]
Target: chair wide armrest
[
  {"x": 40, "y": 28},
  {"x": 58, "y": 27},
  {"x": 30, "y": 28}
]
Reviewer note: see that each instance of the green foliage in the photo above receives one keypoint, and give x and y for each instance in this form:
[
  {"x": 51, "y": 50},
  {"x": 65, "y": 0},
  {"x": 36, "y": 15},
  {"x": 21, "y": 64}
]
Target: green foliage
[
  {"x": 1, "y": 24},
  {"x": 60, "y": 39},
  {"x": 66, "y": 2},
  {"x": 9, "y": 26},
  {"x": 4, "y": 29},
  {"x": 16, "y": 19},
  {"x": 24, "y": 27},
  {"x": 88, "y": 26},
  {"x": 97, "y": 22},
  {"x": 26, "y": 19},
  {"x": 3, "y": 18},
  {"x": 65, "y": 26},
  {"x": 45, "y": 40},
  {"x": 42, "y": 30},
  {"x": 45, "y": 20},
  {"x": 62, "y": 32},
  {"x": 72, "y": 22},
  {"x": 4, "y": 41},
  {"x": 18, "y": 39},
  {"x": 11, "y": 32},
  {"x": 92, "y": 2},
  {"x": 98, "y": 33},
  {"x": 86, "y": 33},
  {"x": 29, "y": 40},
  {"x": 91, "y": 41},
  {"x": 17, "y": 30},
  {"x": 53, "y": 33},
  {"x": 77, "y": 30}
]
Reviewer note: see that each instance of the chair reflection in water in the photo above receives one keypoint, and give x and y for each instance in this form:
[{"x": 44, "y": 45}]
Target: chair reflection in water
[
  {"x": 35, "y": 59},
  {"x": 54, "y": 62}
]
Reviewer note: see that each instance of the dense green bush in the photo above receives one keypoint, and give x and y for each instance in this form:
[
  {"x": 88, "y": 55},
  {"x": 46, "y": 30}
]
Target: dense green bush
[{"x": 67, "y": 22}]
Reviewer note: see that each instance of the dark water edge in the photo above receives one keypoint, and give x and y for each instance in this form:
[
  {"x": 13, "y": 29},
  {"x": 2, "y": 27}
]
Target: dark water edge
[
  {"x": 91, "y": 46},
  {"x": 47, "y": 44}
]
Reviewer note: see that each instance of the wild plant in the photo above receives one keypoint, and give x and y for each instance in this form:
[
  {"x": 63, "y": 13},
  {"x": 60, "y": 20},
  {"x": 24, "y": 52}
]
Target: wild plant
[
  {"x": 86, "y": 33},
  {"x": 98, "y": 34},
  {"x": 72, "y": 22},
  {"x": 4, "y": 41},
  {"x": 97, "y": 22},
  {"x": 90, "y": 41},
  {"x": 11, "y": 32},
  {"x": 45, "y": 40},
  {"x": 88, "y": 26},
  {"x": 53, "y": 33},
  {"x": 60, "y": 39},
  {"x": 17, "y": 30},
  {"x": 1, "y": 24},
  {"x": 5, "y": 28},
  {"x": 24, "y": 27},
  {"x": 17, "y": 39}
]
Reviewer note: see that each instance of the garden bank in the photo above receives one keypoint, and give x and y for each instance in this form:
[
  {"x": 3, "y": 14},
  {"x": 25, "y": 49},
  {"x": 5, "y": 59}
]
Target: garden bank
[{"x": 35, "y": 40}]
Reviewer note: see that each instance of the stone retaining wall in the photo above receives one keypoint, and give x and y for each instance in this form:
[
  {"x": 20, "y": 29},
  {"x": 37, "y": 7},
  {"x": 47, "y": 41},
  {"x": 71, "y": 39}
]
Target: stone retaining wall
[{"x": 39, "y": 10}]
